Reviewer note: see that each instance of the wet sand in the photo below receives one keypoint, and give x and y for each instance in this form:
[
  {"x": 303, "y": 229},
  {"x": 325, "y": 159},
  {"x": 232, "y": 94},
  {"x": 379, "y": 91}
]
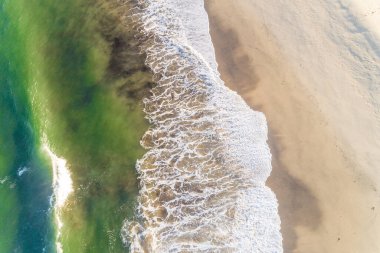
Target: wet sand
[{"x": 326, "y": 202}]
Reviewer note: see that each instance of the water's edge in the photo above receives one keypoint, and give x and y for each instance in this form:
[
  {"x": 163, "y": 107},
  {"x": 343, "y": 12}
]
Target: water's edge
[{"x": 203, "y": 178}]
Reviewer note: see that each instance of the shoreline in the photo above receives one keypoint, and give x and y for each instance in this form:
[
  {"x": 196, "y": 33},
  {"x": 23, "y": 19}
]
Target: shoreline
[
  {"x": 325, "y": 201},
  {"x": 196, "y": 174}
]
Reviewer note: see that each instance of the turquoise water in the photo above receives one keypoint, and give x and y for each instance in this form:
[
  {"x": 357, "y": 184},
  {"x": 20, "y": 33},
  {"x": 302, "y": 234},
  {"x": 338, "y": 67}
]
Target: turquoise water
[
  {"x": 25, "y": 216},
  {"x": 70, "y": 74},
  {"x": 26, "y": 222}
]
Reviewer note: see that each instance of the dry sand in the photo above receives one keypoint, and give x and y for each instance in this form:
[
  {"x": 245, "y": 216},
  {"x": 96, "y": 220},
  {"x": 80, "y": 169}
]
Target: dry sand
[{"x": 326, "y": 203}]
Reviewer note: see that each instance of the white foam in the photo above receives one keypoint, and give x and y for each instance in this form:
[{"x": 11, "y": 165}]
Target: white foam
[
  {"x": 196, "y": 27},
  {"x": 22, "y": 170},
  {"x": 63, "y": 187},
  {"x": 3, "y": 180},
  {"x": 203, "y": 178}
]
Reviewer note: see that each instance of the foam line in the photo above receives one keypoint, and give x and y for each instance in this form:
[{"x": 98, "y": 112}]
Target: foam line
[
  {"x": 203, "y": 176},
  {"x": 63, "y": 187}
]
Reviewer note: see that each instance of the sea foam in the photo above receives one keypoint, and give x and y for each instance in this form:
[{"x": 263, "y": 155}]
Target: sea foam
[
  {"x": 203, "y": 176},
  {"x": 63, "y": 187}
]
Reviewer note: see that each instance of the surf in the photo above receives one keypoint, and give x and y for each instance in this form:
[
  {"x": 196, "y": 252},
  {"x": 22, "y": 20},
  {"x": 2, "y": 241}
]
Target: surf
[{"x": 202, "y": 180}]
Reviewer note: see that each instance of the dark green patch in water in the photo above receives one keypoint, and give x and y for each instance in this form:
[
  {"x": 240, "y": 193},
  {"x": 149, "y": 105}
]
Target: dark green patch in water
[{"x": 79, "y": 81}]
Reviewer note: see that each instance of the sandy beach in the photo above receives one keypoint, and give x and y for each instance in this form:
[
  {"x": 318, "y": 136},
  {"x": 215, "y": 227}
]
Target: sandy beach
[{"x": 328, "y": 200}]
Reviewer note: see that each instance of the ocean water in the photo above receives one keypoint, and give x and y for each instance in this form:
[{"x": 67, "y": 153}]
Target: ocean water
[
  {"x": 117, "y": 134},
  {"x": 203, "y": 177},
  {"x": 25, "y": 184},
  {"x": 71, "y": 120}
]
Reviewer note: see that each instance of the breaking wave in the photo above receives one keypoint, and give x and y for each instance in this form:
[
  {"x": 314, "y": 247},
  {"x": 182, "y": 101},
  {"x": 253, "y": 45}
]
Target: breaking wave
[
  {"x": 63, "y": 187},
  {"x": 203, "y": 176}
]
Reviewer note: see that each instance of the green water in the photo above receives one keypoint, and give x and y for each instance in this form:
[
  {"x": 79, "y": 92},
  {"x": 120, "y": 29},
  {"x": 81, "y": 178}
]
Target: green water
[{"x": 70, "y": 72}]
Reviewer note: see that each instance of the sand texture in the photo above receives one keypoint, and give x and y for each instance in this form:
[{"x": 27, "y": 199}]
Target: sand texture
[{"x": 328, "y": 200}]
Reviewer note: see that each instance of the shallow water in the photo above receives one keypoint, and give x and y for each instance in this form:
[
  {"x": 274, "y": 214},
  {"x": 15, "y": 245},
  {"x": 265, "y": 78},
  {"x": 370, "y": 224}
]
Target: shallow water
[
  {"x": 203, "y": 178},
  {"x": 77, "y": 86},
  {"x": 71, "y": 79}
]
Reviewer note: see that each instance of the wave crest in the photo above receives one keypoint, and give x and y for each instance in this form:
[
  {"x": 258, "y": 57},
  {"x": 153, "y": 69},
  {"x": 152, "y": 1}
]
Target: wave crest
[{"x": 203, "y": 176}]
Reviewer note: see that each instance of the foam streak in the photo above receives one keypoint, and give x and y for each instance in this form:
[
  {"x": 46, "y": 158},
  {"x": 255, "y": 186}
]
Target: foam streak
[
  {"x": 203, "y": 177},
  {"x": 63, "y": 187}
]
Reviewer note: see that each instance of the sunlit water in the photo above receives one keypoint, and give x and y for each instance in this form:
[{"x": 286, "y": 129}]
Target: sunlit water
[{"x": 203, "y": 178}]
